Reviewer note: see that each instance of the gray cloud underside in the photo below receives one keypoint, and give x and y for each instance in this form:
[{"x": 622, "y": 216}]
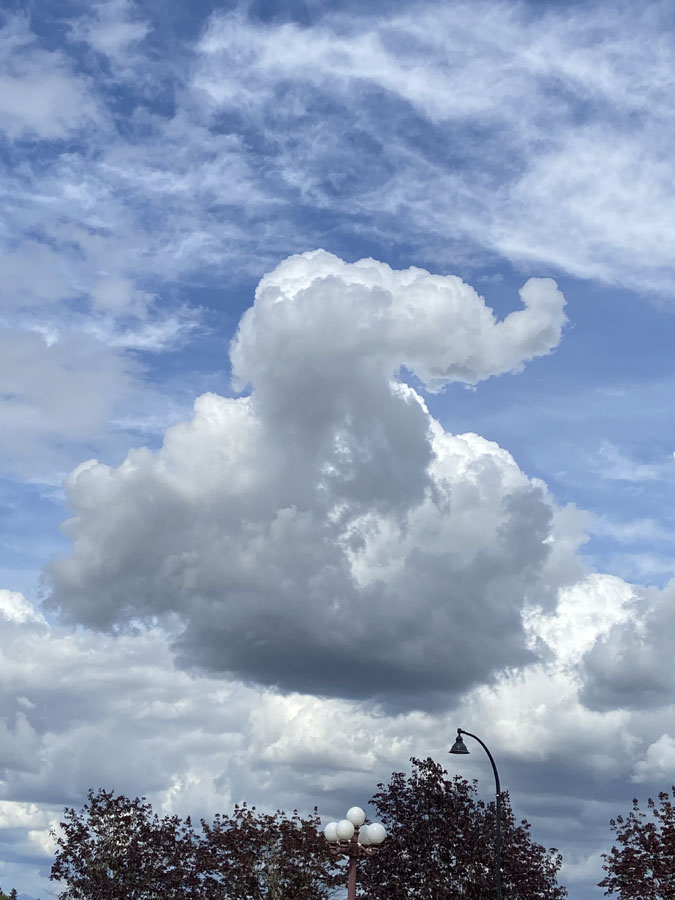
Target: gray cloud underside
[
  {"x": 632, "y": 666},
  {"x": 324, "y": 533},
  {"x": 82, "y": 708}
]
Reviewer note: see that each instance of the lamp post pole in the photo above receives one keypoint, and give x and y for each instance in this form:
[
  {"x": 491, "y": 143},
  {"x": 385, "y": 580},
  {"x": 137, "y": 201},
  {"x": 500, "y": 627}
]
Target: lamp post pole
[
  {"x": 350, "y": 837},
  {"x": 459, "y": 747}
]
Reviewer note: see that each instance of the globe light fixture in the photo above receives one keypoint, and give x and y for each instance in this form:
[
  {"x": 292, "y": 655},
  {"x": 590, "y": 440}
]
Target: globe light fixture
[
  {"x": 356, "y": 816},
  {"x": 352, "y": 838},
  {"x": 344, "y": 830}
]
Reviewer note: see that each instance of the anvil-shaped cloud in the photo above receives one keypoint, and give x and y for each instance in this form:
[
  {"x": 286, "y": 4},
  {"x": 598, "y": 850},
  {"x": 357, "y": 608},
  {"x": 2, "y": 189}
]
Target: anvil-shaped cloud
[{"x": 325, "y": 533}]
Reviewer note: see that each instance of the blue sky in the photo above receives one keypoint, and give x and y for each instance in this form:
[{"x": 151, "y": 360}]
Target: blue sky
[{"x": 163, "y": 165}]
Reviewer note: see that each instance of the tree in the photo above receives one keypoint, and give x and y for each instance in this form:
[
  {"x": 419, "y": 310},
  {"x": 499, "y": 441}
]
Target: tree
[
  {"x": 117, "y": 848},
  {"x": 440, "y": 844},
  {"x": 439, "y": 847},
  {"x": 257, "y": 856},
  {"x": 643, "y": 866}
]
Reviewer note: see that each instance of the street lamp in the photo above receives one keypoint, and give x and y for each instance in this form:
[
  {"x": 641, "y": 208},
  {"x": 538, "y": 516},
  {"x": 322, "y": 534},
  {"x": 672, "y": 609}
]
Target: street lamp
[
  {"x": 350, "y": 837},
  {"x": 459, "y": 747}
]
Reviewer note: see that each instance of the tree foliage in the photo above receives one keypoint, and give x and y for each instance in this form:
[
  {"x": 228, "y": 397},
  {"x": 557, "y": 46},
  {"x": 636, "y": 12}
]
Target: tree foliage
[
  {"x": 117, "y": 848},
  {"x": 257, "y": 856},
  {"x": 642, "y": 867},
  {"x": 440, "y": 844}
]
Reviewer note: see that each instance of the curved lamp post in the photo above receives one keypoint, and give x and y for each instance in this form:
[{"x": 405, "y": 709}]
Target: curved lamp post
[
  {"x": 350, "y": 837},
  {"x": 459, "y": 747}
]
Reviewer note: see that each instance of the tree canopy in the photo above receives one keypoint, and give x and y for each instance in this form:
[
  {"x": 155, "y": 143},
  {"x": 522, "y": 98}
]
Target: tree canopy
[
  {"x": 115, "y": 847},
  {"x": 642, "y": 866},
  {"x": 440, "y": 844},
  {"x": 439, "y": 847}
]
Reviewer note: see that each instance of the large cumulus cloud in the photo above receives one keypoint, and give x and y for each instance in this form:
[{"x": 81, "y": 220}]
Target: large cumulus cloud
[{"x": 324, "y": 533}]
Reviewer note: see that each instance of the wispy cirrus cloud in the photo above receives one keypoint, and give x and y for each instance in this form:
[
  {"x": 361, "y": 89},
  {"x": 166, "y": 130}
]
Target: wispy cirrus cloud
[
  {"x": 614, "y": 465},
  {"x": 500, "y": 124},
  {"x": 114, "y": 29},
  {"x": 42, "y": 96}
]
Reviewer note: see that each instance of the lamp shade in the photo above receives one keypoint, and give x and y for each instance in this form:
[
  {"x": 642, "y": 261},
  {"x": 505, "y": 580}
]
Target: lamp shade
[
  {"x": 330, "y": 832},
  {"x": 459, "y": 746},
  {"x": 345, "y": 830},
  {"x": 376, "y": 833},
  {"x": 356, "y": 816}
]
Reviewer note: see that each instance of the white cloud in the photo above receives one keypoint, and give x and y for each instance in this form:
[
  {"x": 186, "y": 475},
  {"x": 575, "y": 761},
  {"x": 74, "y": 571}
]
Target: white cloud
[
  {"x": 56, "y": 396},
  {"x": 536, "y": 718},
  {"x": 658, "y": 763},
  {"x": 632, "y": 531},
  {"x": 632, "y": 666},
  {"x": 75, "y": 298},
  {"x": 612, "y": 189},
  {"x": 437, "y": 326},
  {"x": 30, "y": 276},
  {"x": 101, "y": 239},
  {"x": 614, "y": 465},
  {"x": 16, "y": 609},
  {"x": 584, "y": 611},
  {"x": 330, "y": 495},
  {"x": 20, "y": 815},
  {"x": 112, "y": 28},
  {"x": 582, "y": 867},
  {"x": 558, "y": 174},
  {"x": 41, "y": 97}
]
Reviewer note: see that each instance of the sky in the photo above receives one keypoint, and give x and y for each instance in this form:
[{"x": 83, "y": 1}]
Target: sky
[{"x": 335, "y": 407}]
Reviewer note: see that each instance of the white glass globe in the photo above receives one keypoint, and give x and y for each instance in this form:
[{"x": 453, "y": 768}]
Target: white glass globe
[
  {"x": 330, "y": 832},
  {"x": 345, "y": 830},
  {"x": 376, "y": 833},
  {"x": 364, "y": 837},
  {"x": 356, "y": 815}
]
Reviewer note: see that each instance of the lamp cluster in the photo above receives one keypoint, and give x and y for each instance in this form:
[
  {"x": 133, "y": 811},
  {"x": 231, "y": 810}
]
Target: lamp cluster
[{"x": 351, "y": 837}]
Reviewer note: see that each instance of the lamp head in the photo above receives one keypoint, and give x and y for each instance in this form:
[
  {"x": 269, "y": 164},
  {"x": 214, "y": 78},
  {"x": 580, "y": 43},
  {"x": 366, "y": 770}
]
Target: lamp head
[
  {"x": 344, "y": 830},
  {"x": 376, "y": 833},
  {"x": 459, "y": 746},
  {"x": 330, "y": 831},
  {"x": 356, "y": 816}
]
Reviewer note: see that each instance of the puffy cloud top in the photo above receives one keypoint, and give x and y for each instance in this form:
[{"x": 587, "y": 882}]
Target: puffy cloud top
[
  {"x": 325, "y": 533},
  {"x": 367, "y": 314}
]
